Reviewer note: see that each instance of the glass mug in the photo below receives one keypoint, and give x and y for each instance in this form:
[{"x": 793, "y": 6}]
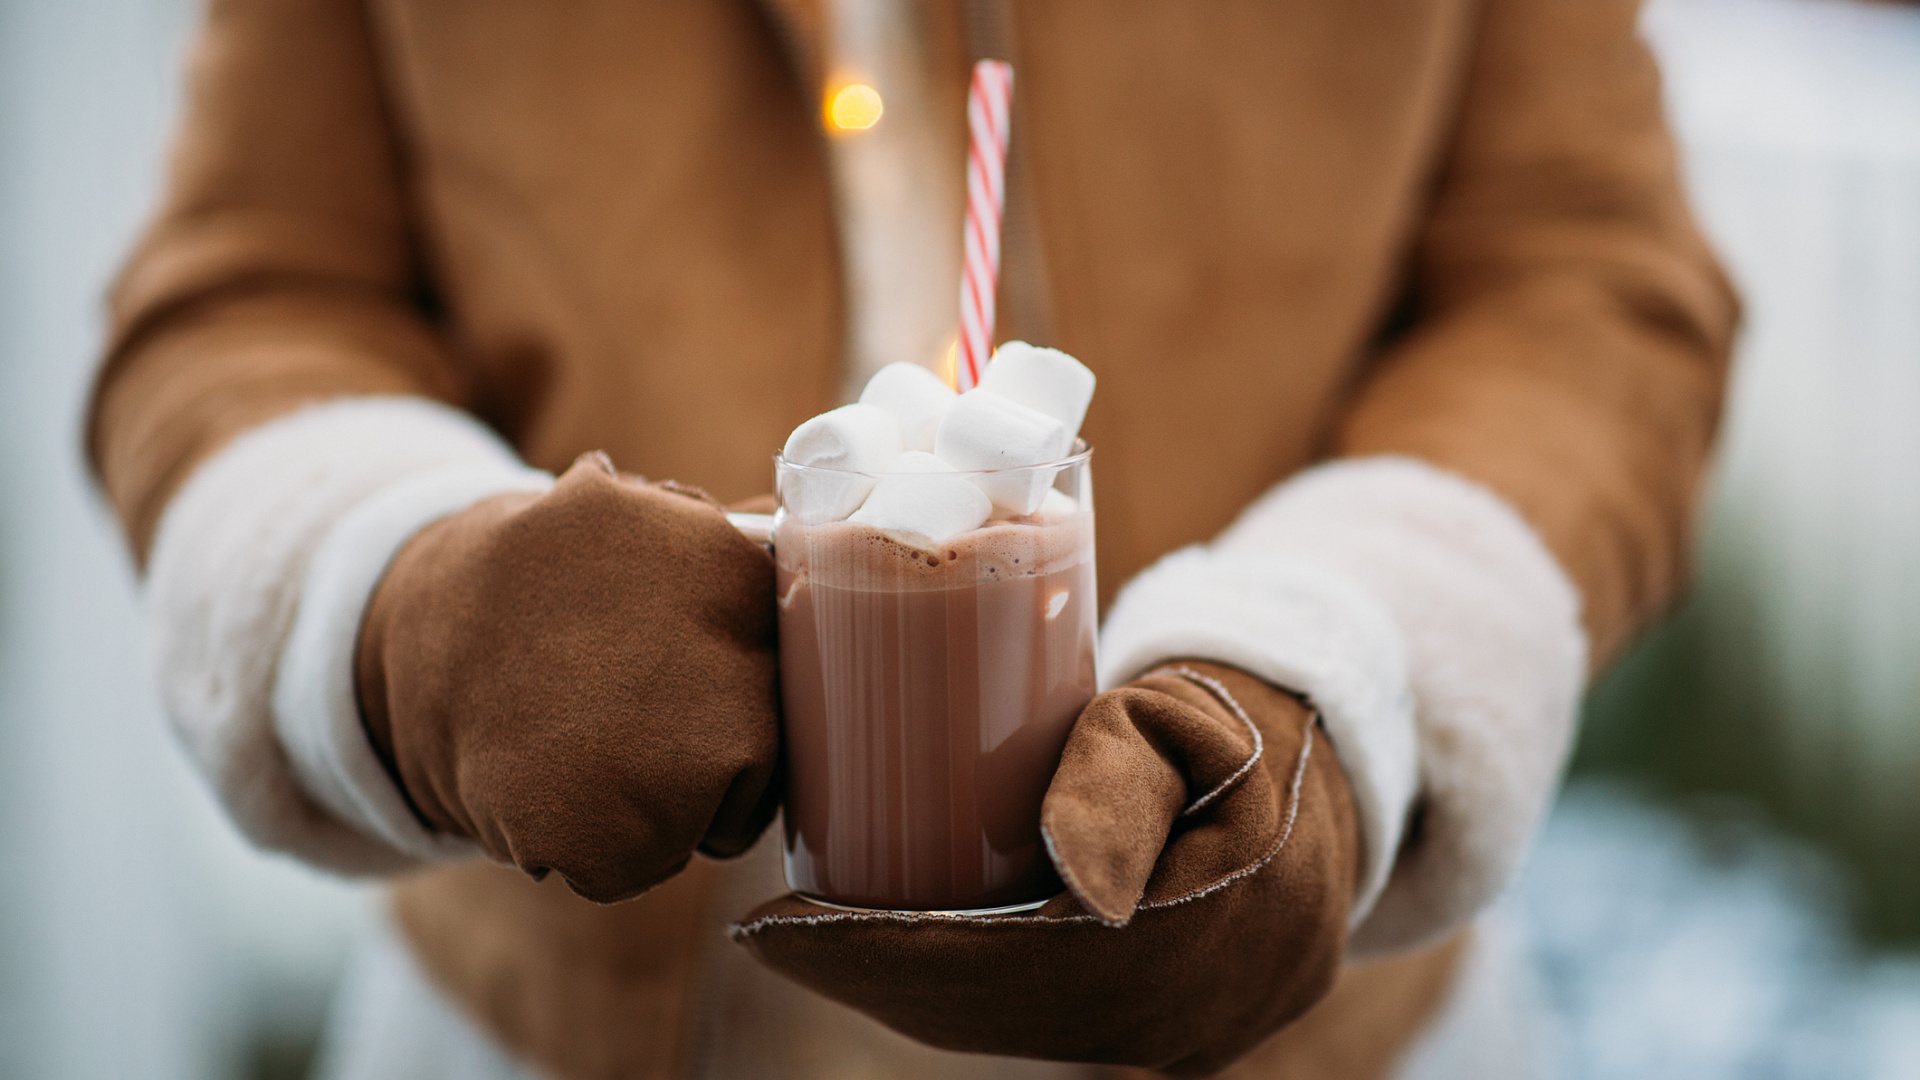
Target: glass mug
[{"x": 928, "y": 692}]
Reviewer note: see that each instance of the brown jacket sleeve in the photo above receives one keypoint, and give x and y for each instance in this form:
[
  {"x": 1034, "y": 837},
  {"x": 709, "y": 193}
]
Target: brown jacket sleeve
[
  {"x": 280, "y": 269},
  {"x": 1571, "y": 335}
]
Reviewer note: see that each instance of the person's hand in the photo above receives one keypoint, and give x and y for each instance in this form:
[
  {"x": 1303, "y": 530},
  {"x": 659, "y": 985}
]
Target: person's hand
[
  {"x": 1208, "y": 841},
  {"x": 582, "y": 681}
]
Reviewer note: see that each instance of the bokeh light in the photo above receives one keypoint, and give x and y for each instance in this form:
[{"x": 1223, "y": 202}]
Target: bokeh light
[
  {"x": 853, "y": 107},
  {"x": 949, "y": 367}
]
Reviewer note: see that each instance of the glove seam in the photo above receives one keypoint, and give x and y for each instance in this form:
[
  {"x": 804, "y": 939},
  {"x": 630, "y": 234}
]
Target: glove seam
[{"x": 1218, "y": 690}]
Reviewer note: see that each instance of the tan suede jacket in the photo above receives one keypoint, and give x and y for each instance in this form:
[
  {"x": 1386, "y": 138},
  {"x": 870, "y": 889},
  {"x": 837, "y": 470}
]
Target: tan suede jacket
[{"x": 1278, "y": 231}]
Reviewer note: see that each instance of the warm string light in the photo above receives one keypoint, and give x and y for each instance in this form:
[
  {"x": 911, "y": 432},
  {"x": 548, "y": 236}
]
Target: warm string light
[
  {"x": 949, "y": 366},
  {"x": 852, "y": 107}
]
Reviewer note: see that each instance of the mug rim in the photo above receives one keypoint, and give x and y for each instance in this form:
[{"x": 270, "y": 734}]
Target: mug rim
[{"x": 1082, "y": 452}]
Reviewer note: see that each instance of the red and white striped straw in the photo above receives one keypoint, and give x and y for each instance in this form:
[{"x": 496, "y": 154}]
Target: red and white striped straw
[{"x": 989, "y": 113}]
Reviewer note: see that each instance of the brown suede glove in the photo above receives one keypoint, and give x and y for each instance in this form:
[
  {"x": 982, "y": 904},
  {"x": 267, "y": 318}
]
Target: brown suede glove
[
  {"x": 582, "y": 681},
  {"x": 1208, "y": 840}
]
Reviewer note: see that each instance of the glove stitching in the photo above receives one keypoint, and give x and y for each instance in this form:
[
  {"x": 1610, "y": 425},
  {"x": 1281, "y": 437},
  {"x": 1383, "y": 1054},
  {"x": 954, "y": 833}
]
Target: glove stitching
[
  {"x": 1294, "y": 785},
  {"x": 1220, "y": 693},
  {"x": 1218, "y": 690},
  {"x": 742, "y": 931}
]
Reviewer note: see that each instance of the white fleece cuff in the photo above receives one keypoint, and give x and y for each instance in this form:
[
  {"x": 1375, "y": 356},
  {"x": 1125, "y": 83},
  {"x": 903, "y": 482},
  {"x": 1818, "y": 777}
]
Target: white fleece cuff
[
  {"x": 229, "y": 562},
  {"x": 315, "y": 709},
  {"x": 1441, "y": 641},
  {"x": 1301, "y": 626},
  {"x": 1496, "y": 662}
]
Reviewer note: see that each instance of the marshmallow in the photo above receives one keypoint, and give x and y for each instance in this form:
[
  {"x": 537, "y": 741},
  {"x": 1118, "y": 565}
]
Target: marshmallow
[
  {"x": 1044, "y": 379},
  {"x": 923, "y": 496},
  {"x": 916, "y": 397},
  {"x": 984, "y": 431},
  {"x": 852, "y": 439},
  {"x": 915, "y": 461},
  {"x": 1057, "y": 504}
]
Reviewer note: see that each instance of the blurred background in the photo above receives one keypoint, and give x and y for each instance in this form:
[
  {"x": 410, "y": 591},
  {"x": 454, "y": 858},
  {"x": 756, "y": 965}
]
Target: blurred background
[{"x": 1729, "y": 888}]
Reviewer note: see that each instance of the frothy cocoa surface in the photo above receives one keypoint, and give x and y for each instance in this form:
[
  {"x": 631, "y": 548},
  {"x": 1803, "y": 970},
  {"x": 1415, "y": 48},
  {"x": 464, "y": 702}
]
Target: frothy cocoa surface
[{"x": 851, "y": 555}]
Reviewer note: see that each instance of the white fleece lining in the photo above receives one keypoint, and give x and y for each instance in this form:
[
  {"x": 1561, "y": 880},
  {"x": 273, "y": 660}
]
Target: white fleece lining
[
  {"x": 1441, "y": 640},
  {"x": 223, "y": 589},
  {"x": 1496, "y": 662},
  {"x": 315, "y": 709},
  {"x": 1295, "y": 625}
]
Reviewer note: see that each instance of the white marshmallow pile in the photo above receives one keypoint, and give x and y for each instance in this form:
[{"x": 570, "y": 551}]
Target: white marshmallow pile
[{"x": 909, "y": 427}]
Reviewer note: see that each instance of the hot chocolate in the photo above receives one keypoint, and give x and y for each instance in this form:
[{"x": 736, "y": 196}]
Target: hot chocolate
[
  {"x": 935, "y": 563},
  {"x": 928, "y": 691}
]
